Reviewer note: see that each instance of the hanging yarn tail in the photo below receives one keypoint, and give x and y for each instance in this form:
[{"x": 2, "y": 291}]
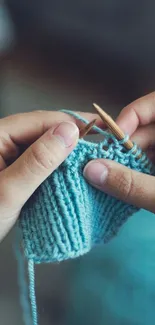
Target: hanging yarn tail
[
  {"x": 29, "y": 314},
  {"x": 32, "y": 294},
  {"x": 22, "y": 283}
]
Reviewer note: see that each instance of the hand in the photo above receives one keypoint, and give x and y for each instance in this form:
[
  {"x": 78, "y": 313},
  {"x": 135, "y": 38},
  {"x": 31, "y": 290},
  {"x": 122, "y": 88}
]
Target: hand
[
  {"x": 48, "y": 142},
  {"x": 137, "y": 120}
]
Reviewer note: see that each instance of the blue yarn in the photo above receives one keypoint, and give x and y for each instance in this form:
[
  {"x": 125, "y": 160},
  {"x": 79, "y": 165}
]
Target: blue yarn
[
  {"x": 31, "y": 274},
  {"x": 126, "y": 138},
  {"x": 66, "y": 216},
  {"x": 24, "y": 301},
  {"x": 84, "y": 120}
]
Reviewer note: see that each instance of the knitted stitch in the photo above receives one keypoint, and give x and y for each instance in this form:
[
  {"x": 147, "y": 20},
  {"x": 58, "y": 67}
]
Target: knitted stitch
[{"x": 66, "y": 216}]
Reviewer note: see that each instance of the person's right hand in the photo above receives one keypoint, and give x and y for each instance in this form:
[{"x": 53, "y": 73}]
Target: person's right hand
[{"x": 137, "y": 120}]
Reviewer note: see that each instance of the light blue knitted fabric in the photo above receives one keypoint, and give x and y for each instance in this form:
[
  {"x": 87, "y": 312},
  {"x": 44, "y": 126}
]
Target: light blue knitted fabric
[{"x": 66, "y": 216}]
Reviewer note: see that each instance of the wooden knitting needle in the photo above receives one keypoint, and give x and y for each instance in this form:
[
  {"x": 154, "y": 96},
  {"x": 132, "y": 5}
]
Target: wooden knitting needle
[
  {"x": 87, "y": 128},
  {"x": 113, "y": 127}
]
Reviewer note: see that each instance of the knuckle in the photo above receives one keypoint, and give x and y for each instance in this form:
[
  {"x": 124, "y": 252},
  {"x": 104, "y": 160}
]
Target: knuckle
[
  {"x": 129, "y": 187},
  {"x": 45, "y": 154},
  {"x": 41, "y": 156},
  {"x": 125, "y": 183},
  {"x": 7, "y": 146}
]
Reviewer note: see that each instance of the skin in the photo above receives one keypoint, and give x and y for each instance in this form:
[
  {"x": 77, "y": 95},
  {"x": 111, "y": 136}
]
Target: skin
[
  {"x": 138, "y": 120},
  {"x": 31, "y": 149}
]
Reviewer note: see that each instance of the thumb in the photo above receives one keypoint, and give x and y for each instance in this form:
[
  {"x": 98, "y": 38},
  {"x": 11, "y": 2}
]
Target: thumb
[
  {"x": 123, "y": 183},
  {"x": 38, "y": 162}
]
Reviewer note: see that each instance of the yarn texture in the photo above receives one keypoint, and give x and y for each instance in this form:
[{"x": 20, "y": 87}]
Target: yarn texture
[{"x": 66, "y": 216}]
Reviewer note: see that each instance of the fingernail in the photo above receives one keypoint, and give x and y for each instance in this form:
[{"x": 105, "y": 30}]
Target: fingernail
[
  {"x": 96, "y": 173},
  {"x": 67, "y": 133}
]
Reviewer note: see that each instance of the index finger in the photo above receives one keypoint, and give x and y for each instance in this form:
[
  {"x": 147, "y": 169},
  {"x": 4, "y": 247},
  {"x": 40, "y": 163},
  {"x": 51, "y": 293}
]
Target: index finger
[
  {"x": 26, "y": 128},
  {"x": 139, "y": 113}
]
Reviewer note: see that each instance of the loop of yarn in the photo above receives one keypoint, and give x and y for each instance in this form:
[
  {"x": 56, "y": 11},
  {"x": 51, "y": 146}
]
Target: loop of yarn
[{"x": 125, "y": 139}]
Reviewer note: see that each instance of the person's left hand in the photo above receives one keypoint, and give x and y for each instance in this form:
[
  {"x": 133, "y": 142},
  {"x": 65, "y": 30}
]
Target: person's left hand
[{"x": 46, "y": 138}]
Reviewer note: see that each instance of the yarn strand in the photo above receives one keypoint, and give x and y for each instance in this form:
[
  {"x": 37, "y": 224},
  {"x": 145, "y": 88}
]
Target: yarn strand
[
  {"x": 82, "y": 119},
  {"x": 22, "y": 283},
  {"x": 32, "y": 294}
]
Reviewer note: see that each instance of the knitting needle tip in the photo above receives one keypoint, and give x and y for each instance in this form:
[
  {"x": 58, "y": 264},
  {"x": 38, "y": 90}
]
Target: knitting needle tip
[
  {"x": 87, "y": 128},
  {"x": 112, "y": 126},
  {"x": 104, "y": 116}
]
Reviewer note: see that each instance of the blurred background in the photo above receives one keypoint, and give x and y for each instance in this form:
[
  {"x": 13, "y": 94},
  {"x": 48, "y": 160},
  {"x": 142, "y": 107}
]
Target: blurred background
[{"x": 67, "y": 54}]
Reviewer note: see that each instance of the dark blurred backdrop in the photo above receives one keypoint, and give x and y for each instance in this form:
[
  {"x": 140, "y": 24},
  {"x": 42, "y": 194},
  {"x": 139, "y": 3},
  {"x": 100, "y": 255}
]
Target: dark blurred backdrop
[
  {"x": 111, "y": 41},
  {"x": 56, "y": 54}
]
